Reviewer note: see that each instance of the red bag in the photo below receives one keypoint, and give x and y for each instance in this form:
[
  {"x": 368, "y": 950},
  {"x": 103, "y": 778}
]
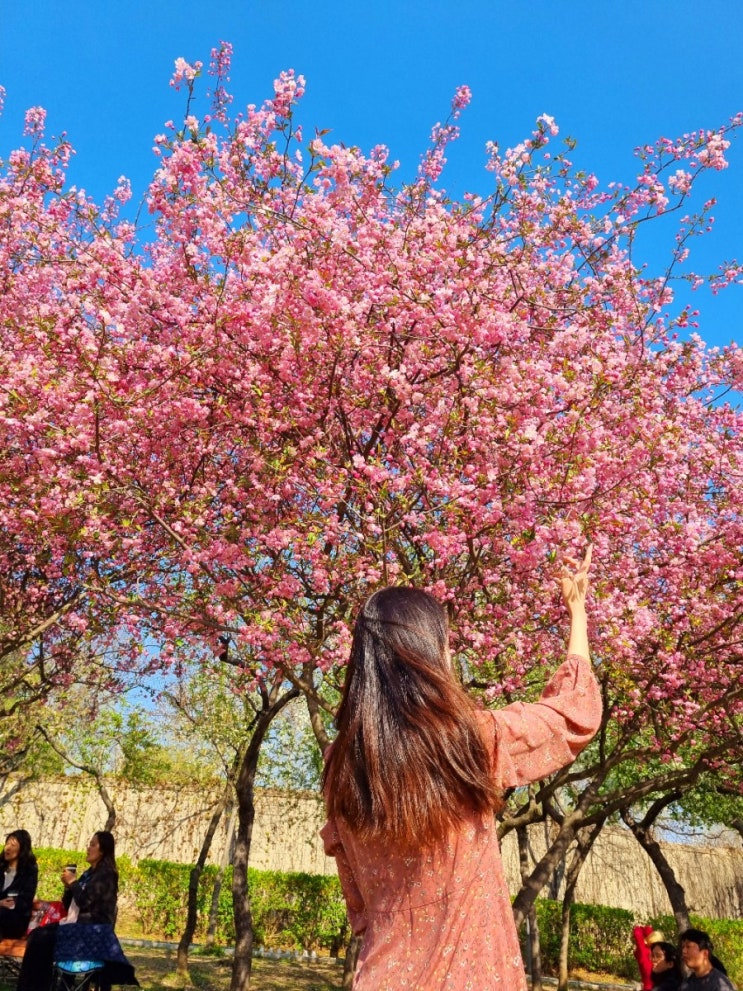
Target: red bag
[{"x": 45, "y": 913}]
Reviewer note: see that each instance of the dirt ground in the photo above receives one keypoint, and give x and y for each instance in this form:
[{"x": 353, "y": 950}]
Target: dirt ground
[{"x": 155, "y": 972}]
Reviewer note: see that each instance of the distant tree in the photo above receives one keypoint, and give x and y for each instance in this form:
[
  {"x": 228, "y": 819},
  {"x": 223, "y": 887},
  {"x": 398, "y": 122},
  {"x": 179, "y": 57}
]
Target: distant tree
[
  {"x": 220, "y": 716},
  {"x": 106, "y": 742}
]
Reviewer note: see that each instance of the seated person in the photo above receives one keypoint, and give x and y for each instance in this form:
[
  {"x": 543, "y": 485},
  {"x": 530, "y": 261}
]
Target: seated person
[
  {"x": 19, "y": 876},
  {"x": 88, "y": 928}
]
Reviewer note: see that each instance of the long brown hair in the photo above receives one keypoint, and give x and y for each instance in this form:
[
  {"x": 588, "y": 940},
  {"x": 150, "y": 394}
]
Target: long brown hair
[{"x": 409, "y": 760}]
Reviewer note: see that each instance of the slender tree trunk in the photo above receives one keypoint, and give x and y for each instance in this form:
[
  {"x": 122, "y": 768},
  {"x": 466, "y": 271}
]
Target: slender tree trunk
[
  {"x": 218, "y": 880},
  {"x": 533, "y": 949},
  {"x": 186, "y": 939},
  {"x": 94, "y": 773},
  {"x": 352, "y": 958},
  {"x": 558, "y": 874},
  {"x": 582, "y": 849},
  {"x": 18, "y": 783},
  {"x": 245, "y": 792},
  {"x": 642, "y": 831},
  {"x": 107, "y": 801},
  {"x": 541, "y": 874}
]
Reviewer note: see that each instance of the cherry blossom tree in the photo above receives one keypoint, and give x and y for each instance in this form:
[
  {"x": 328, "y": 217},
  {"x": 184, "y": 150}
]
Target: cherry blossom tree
[
  {"x": 53, "y": 629},
  {"x": 306, "y": 381}
]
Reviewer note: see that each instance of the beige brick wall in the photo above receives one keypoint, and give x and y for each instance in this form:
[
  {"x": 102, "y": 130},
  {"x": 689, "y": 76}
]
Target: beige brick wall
[{"x": 170, "y": 824}]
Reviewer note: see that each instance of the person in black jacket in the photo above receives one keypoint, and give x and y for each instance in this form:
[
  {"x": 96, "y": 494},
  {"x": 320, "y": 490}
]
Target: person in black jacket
[
  {"x": 88, "y": 929},
  {"x": 19, "y": 876},
  {"x": 92, "y": 897}
]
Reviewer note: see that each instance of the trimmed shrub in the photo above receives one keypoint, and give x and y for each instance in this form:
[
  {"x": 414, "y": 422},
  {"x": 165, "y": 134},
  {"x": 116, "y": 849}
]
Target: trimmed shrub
[
  {"x": 291, "y": 911},
  {"x": 52, "y": 862}
]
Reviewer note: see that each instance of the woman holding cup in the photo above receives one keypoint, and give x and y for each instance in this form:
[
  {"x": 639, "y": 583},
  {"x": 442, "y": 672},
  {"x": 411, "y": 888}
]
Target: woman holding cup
[
  {"x": 92, "y": 897},
  {"x": 87, "y": 931},
  {"x": 19, "y": 876}
]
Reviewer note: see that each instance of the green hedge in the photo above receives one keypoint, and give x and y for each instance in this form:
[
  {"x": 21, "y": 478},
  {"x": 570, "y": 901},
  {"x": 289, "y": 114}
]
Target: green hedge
[
  {"x": 600, "y": 938},
  {"x": 52, "y": 862},
  {"x": 306, "y": 912},
  {"x": 292, "y": 911}
]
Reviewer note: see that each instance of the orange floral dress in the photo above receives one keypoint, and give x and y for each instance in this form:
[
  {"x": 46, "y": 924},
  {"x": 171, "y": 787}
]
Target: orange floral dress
[{"x": 441, "y": 918}]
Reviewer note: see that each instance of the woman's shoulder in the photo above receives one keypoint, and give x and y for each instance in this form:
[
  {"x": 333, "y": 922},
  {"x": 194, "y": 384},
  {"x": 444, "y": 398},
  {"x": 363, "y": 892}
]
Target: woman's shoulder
[{"x": 104, "y": 873}]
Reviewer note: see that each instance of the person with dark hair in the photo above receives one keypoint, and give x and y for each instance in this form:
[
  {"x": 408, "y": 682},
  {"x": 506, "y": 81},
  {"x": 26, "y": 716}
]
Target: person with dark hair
[
  {"x": 19, "y": 877},
  {"x": 665, "y": 972},
  {"x": 87, "y": 931},
  {"x": 707, "y": 972},
  {"x": 411, "y": 785},
  {"x": 92, "y": 897}
]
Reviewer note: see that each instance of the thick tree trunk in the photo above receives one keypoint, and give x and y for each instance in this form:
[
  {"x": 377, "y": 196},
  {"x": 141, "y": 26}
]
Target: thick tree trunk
[
  {"x": 541, "y": 874},
  {"x": 245, "y": 792},
  {"x": 582, "y": 849},
  {"x": 532, "y": 885},
  {"x": 243, "y": 960},
  {"x": 186, "y": 939}
]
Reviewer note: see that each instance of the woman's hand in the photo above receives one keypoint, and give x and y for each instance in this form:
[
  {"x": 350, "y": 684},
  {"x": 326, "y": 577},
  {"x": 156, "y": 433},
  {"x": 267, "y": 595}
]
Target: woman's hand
[
  {"x": 574, "y": 581},
  {"x": 574, "y": 584},
  {"x": 68, "y": 878},
  {"x": 7, "y": 903}
]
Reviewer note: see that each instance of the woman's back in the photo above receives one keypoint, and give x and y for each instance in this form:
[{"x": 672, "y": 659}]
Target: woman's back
[
  {"x": 417, "y": 908},
  {"x": 439, "y": 916},
  {"x": 411, "y": 786}
]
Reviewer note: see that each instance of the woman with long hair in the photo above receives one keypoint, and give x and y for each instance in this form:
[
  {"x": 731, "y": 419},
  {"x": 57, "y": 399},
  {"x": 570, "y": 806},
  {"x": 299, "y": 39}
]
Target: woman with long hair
[
  {"x": 87, "y": 931},
  {"x": 19, "y": 876},
  {"x": 412, "y": 783},
  {"x": 665, "y": 971},
  {"x": 92, "y": 897}
]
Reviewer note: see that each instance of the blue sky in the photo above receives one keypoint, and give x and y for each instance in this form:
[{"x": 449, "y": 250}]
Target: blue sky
[{"x": 613, "y": 74}]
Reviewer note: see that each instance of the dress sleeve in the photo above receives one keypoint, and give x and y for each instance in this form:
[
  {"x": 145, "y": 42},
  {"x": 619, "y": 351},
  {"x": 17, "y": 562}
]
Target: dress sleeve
[
  {"x": 354, "y": 900},
  {"x": 533, "y": 739}
]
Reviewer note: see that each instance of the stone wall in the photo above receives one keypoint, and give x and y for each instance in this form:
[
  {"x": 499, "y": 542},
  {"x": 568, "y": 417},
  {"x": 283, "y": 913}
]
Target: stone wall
[{"x": 169, "y": 825}]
